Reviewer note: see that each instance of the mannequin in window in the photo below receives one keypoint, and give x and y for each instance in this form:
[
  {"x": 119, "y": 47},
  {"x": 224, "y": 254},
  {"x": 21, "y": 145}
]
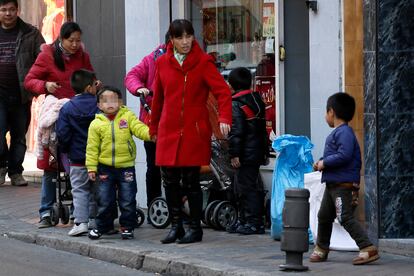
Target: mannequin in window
[
  {"x": 257, "y": 48},
  {"x": 55, "y": 15}
]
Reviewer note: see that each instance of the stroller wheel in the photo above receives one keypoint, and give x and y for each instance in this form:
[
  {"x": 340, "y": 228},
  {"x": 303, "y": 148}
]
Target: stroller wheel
[
  {"x": 54, "y": 214},
  {"x": 158, "y": 213},
  {"x": 208, "y": 212},
  {"x": 140, "y": 217},
  {"x": 224, "y": 215},
  {"x": 65, "y": 214}
]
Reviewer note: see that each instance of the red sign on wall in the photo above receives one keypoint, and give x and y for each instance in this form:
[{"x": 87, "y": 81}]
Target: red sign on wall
[{"x": 265, "y": 85}]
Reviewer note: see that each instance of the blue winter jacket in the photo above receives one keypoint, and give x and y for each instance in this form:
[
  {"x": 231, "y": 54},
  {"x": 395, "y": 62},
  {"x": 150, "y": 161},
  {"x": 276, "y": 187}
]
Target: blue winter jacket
[
  {"x": 72, "y": 126},
  {"x": 341, "y": 157}
]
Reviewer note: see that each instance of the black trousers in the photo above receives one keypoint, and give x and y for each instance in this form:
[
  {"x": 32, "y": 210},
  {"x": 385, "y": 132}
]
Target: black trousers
[
  {"x": 248, "y": 188},
  {"x": 180, "y": 181},
  {"x": 337, "y": 202},
  {"x": 16, "y": 118},
  {"x": 153, "y": 175}
]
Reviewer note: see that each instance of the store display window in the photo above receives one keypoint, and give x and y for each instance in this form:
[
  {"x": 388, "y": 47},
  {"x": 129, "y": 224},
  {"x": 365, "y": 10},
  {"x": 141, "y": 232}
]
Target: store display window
[
  {"x": 48, "y": 16},
  {"x": 240, "y": 33}
]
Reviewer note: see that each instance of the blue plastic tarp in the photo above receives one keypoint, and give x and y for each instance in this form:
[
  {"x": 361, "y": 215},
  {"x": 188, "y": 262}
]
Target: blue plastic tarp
[{"x": 294, "y": 160}]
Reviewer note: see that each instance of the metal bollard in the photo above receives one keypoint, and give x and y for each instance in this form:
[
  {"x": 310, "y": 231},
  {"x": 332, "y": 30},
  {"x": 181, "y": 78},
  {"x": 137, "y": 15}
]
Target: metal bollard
[{"x": 295, "y": 237}]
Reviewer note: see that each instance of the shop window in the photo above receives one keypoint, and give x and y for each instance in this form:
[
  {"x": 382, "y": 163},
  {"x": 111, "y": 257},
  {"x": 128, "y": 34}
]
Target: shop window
[
  {"x": 47, "y": 16},
  {"x": 236, "y": 33},
  {"x": 240, "y": 33}
]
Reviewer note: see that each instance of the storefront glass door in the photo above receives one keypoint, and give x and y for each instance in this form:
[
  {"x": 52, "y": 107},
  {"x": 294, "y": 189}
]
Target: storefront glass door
[{"x": 242, "y": 33}]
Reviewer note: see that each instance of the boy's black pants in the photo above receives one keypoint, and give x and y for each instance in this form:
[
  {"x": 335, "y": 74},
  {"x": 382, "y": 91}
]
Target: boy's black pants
[
  {"x": 337, "y": 202},
  {"x": 249, "y": 192}
]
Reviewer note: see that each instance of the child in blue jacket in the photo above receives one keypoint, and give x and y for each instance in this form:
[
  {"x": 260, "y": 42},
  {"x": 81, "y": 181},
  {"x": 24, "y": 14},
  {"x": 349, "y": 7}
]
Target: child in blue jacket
[
  {"x": 72, "y": 131},
  {"x": 340, "y": 166}
]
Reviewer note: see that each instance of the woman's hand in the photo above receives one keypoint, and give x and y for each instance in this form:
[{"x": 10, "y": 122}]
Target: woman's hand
[
  {"x": 51, "y": 86},
  {"x": 144, "y": 91},
  {"x": 98, "y": 84},
  {"x": 225, "y": 129},
  {"x": 235, "y": 162}
]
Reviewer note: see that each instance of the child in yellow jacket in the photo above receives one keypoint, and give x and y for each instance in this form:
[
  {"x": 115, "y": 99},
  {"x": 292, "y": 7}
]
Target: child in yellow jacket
[{"x": 110, "y": 158}]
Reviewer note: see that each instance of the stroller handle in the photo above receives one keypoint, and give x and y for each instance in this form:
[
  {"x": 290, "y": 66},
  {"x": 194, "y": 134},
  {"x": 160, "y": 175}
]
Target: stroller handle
[{"x": 144, "y": 102}]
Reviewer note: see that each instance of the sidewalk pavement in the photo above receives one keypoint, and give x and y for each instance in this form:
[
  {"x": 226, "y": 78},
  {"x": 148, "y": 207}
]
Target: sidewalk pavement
[{"x": 219, "y": 253}]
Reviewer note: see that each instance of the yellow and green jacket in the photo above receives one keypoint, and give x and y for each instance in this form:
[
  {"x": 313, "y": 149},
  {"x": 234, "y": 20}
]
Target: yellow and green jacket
[{"x": 111, "y": 143}]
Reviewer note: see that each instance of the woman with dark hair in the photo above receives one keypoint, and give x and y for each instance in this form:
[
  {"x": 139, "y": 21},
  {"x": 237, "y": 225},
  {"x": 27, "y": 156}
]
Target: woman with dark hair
[
  {"x": 185, "y": 76},
  {"x": 51, "y": 72},
  {"x": 50, "y": 75}
]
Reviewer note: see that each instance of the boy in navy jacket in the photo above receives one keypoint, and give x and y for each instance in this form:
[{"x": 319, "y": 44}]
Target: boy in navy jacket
[
  {"x": 340, "y": 166},
  {"x": 72, "y": 131}
]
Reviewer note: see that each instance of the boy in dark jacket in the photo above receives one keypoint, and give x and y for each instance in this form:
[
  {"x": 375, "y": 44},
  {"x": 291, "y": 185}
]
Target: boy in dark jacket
[
  {"x": 248, "y": 150},
  {"x": 340, "y": 166},
  {"x": 72, "y": 131}
]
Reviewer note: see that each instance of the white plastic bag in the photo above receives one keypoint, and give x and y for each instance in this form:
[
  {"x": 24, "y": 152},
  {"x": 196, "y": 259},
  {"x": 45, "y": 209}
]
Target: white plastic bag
[{"x": 340, "y": 239}]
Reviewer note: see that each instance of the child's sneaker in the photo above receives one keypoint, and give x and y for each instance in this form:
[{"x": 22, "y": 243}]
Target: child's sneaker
[
  {"x": 233, "y": 228},
  {"x": 44, "y": 222},
  {"x": 250, "y": 229},
  {"x": 78, "y": 229},
  {"x": 366, "y": 255},
  {"x": 94, "y": 234},
  {"x": 127, "y": 234},
  {"x": 318, "y": 255}
]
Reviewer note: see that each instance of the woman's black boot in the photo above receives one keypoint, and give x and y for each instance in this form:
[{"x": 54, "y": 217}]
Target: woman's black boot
[
  {"x": 177, "y": 230},
  {"x": 193, "y": 234},
  {"x": 173, "y": 195}
]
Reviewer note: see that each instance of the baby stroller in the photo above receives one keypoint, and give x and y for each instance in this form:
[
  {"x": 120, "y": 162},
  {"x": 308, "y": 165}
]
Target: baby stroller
[
  {"x": 49, "y": 157},
  {"x": 62, "y": 209},
  {"x": 219, "y": 209}
]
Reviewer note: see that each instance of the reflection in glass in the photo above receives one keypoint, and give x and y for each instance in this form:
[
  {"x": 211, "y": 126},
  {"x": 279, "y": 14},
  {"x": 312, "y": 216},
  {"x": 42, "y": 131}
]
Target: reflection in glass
[{"x": 240, "y": 33}]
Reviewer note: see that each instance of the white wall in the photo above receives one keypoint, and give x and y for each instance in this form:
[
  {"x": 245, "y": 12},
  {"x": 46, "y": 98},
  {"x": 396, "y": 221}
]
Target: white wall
[
  {"x": 146, "y": 22},
  {"x": 326, "y": 62}
]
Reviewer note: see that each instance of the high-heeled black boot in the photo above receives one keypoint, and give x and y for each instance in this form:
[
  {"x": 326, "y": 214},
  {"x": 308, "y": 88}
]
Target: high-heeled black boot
[
  {"x": 195, "y": 232},
  {"x": 173, "y": 195},
  {"x": 177, "y": 230}
]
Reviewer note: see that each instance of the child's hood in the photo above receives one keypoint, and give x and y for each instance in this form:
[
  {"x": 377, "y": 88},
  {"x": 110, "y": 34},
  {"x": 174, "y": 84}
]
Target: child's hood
[{"x": 251, "y": 99}]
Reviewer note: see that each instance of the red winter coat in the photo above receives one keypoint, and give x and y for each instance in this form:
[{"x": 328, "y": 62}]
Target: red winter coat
[
  {"x": 44, "y": 69},
  {"x": 179, "y": 115}
]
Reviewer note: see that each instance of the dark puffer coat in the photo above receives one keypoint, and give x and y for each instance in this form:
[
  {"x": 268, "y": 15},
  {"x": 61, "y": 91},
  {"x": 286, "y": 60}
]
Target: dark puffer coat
[
  {"x": 29, "y": 40},
  {"x": 248, "y": 137}
]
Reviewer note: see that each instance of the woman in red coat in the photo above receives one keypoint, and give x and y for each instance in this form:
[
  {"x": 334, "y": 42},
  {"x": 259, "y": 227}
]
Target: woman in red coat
[
  {"x": 180, "y": 123},
  {"x": 50, "y": 75}
]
